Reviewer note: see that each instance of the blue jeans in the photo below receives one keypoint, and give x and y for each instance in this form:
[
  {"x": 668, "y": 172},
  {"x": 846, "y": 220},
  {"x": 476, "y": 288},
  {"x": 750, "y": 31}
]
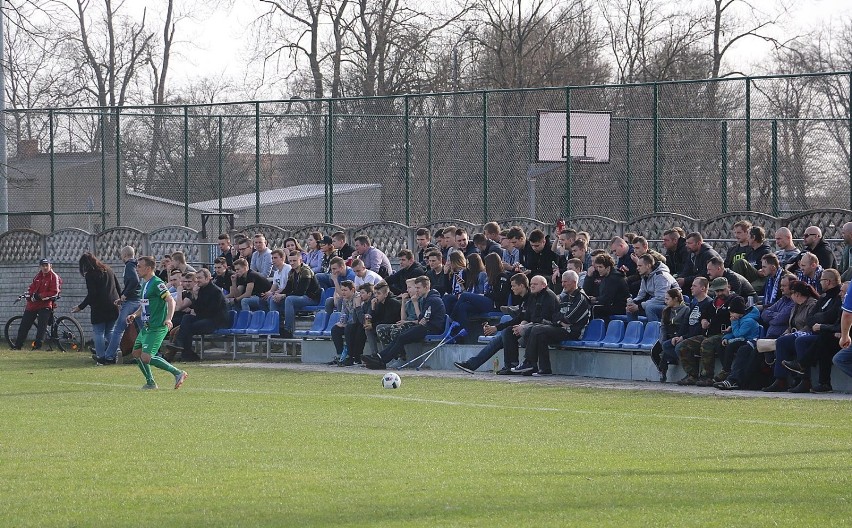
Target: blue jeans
[
  {"x": 252, "y": 303},
  {"x": 102, "y": 334},
  {"x": 653, "y": 310},
  {"x": 669, "y": 353},
  {"x": 324, "y": 280},
  {"x": 843, "y": 361},
  {"x": 785, "y": 349},
  {"x": 127, "y": 308},
  {"x": 292, "y": 304},
  {"x": 470, "y": 303},
  {"x": 488, "y": 351}
]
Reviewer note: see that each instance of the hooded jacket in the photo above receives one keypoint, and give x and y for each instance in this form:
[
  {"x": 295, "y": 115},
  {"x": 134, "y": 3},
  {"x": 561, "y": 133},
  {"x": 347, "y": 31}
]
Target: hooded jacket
[
  {"x": 396, "y": 282},
  {"x": 655, "y": 285},
  {"x": 746, "y": 328},
  {"x": 613, "y": 291},
  {"x": 677, "y": 258},
  {"x": 697, "y": 264},
  {"x": 673, "y": 321},
  {"x": 433, "y": 306}
]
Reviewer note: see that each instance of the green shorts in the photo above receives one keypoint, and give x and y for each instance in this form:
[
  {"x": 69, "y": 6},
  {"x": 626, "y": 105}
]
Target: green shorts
[{"x": 150, "y": 339}]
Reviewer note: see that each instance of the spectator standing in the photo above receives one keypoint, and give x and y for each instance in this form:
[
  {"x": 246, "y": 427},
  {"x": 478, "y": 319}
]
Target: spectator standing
[
  {"x": 101, "y": 293},
  {"x": 128, "y": 302}
]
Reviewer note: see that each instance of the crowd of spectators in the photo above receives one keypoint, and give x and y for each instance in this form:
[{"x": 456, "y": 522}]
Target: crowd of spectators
[{"x": 767, "y": 314}]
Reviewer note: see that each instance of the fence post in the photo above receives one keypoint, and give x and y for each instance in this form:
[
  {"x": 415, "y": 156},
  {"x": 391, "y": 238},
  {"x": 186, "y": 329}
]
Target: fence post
[
  {"x": 257, "y": 162},
  {"x": 407, "y": 161},
  {"x": 748, "y": 143},
  {"x": 117, "y": 166},
  {"x": 103, "y": 170},
  {"x": 568, "y": 175},
  {"x": 775, "y": 167},
  {"x": 627, "y": 175},
  {"x": 186, "y": 166},
  {"x": 330, "y": 161},
  {"x": 656, "y": 134},
  {"x": 52, "y": 173},
  {"x": 724, "y": 189},
  {"x": 429, "y": 169},
  {"x": 219, "y": 149},
  {"x": 484, "y": 157}
]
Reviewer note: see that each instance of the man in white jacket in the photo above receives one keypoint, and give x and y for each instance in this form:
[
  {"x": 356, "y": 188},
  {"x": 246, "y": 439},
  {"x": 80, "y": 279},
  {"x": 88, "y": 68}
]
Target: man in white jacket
[{"x": 656, "y": 281}]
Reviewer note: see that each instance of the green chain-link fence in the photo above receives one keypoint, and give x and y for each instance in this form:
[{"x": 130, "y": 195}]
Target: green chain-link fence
[{"x": 769, "y": 144}]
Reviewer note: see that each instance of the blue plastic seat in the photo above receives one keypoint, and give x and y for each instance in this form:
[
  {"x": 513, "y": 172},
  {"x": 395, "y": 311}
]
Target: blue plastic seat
[
  {"x": 593, "y": 333},
  {"x": 241, "y": 322},
  {"x": 271, "y": 320},
  {"x": 649, "y": 338},
  {"x": 632, "y": 334},
  {"x": 449, "y": 324},
  {"x": 612, "y": 338},
  {"x": 256, "y": 323},
  {"x": 626, "y": 318},
  {"x": 332, "y": 320},
  {"x": 316, "y": 327},
  {"x": 320, "y": 306}
]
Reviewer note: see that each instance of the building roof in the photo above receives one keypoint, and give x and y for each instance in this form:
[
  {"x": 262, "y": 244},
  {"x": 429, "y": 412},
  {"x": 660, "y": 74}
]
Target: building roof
[{"x": 296, "y": 193}]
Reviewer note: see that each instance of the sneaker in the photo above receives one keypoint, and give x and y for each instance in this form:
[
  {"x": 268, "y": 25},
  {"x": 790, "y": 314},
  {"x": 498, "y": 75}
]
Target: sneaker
[
  {"x": 463, "y": 366},
  {"x": 506, "y": 371},
  {"x": 821, "y": 388},
  {"x": 373, "y": 362},
  {"x": 726, "y": 385},
  {"x": 333, "y": 362},
  {"x": 395, "y": 363},
  {"x": 149, "y": 386},
  {"x": 687, "y": 380},
  {"x": 541, "y": 373},
  {"x": 721, "y": 376},
  {"x": 793, "y": 366},
  {"x": 15, "y": 347},
  {"x": 348, "y": 362},
  {"x": 524, "y": 368},
  {"x": 704, "y": 382},
  {"x": 180, "y": 378}
]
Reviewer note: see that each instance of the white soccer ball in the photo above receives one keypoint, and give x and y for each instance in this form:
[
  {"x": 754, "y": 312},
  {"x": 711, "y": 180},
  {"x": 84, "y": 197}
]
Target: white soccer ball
[{"x": 391, "y": 380}]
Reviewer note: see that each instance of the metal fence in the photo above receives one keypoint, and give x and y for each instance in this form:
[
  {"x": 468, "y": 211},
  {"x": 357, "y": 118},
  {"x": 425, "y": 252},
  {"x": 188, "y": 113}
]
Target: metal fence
[{"x": 773, "y": 144}]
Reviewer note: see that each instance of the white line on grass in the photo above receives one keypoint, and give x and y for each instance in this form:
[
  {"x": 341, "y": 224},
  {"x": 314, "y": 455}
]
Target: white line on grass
[{"x": 481, "y": 405}]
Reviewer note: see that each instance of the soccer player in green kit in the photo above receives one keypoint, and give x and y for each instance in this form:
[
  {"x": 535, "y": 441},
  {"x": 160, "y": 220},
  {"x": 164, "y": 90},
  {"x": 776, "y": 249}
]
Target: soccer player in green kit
[{"x": 155, "y": 312}]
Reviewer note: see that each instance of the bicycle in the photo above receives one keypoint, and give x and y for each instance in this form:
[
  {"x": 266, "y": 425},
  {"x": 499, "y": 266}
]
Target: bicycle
[{"x": 64, "y": 331}]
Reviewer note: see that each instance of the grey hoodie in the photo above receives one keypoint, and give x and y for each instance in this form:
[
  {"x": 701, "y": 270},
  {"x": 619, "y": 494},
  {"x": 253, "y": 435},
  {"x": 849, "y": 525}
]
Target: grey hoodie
[{"x": 655, "y": 285}]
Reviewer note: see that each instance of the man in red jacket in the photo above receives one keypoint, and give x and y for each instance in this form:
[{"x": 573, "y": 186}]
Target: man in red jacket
[{"x": 41, "y": 300}]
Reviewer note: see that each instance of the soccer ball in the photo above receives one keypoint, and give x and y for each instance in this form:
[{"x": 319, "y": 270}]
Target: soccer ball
[{"x": 391, "y": 380}]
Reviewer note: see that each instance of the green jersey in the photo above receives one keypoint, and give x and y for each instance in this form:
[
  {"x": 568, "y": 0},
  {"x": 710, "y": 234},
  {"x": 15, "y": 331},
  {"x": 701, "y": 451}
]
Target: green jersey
[{"x": 153, "y": 294}]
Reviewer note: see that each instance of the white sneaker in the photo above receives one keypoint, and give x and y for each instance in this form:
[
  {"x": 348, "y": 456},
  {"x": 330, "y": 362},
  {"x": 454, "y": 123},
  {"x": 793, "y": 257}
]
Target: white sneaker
[{"x": 396, "y": 363}]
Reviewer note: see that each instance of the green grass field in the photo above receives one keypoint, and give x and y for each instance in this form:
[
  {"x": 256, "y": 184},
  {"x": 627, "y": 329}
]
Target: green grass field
[{"x": 84, "y": 446}]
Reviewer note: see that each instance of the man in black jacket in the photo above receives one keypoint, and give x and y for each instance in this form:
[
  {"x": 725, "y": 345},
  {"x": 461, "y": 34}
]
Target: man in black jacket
[
  {"x": 699, "y": 254},
  {"x": 208, "y": 314},
  {"x": 437, "y": 276},
  {"x": 538, "y": 257},
  {"x": 408, "y": 269},
  {"x": 676, "y": 252},
  {"x": 815, "y": 244},
  {"x": 568, "y": 320},
  {"x": 538, "y": 308}
]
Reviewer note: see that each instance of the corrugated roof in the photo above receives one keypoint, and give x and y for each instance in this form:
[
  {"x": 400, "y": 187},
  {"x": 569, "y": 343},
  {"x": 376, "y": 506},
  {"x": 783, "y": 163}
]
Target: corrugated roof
[{"x": 296, "y": 193}]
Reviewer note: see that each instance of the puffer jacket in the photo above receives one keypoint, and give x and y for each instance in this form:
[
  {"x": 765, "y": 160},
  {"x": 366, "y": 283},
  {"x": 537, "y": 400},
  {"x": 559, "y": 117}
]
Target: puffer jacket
[{"x": 746, "y": 328}]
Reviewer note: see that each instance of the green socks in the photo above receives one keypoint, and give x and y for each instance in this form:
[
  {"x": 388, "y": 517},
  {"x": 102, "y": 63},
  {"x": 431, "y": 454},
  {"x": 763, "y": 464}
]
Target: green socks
[
  {"x": 161, "y": 363},
  {"x": 146, "y": 371}
]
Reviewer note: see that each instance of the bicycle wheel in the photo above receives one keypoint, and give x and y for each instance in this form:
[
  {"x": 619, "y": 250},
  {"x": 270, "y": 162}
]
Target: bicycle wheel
[
  {"x": 12, "y": 326},
  {"x": 68, "y": 334}
]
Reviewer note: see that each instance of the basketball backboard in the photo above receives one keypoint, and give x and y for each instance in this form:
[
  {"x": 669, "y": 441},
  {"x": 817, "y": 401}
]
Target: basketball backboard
[{"x": 589, "y": 141}]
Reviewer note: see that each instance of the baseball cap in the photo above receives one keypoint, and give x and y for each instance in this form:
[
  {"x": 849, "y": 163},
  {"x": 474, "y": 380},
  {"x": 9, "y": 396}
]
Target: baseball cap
[
  {"x": 43, "y": 261},
  {"x": 719, "y": 283},
  {"x": 326, "y": 240},
  {"x": 737, "y": 305}
]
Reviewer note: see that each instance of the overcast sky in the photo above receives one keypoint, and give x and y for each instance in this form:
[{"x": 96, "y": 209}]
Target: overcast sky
[{"x": 219, "y": 45}]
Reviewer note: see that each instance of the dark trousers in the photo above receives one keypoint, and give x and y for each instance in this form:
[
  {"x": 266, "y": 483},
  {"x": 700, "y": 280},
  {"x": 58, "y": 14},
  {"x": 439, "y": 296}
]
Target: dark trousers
[
  {"x": 27, "y": 321},
  {"x": 397, "y": 347},
  {"x": 488, "y": 350},
  {"x": 539, "y": 339},
  {"x": 821, "y": 351},
  {"x": 191, "y": 325},
  {"x": 745, "y": 361},
  {"x": 353, "y": 336}
]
